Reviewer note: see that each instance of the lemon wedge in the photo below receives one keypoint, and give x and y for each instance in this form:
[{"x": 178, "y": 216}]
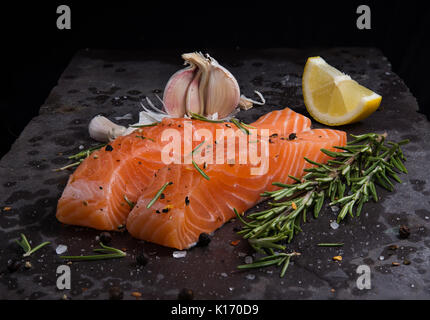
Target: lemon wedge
[{"x": 332, "y": 97}]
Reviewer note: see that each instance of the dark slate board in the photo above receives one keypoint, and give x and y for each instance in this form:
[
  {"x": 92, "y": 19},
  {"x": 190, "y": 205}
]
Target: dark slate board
[{"x": 112, "y": 83}]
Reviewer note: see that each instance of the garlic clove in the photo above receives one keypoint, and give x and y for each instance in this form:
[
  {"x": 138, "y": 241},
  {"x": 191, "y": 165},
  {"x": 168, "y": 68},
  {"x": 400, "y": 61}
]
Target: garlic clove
[
  {"x": 192, "y": 101},
  {"x": 104, "y": 130},
  {"x": 222, "y": 92},
  {"x": 203, "y": 65},
  {"x": 175, "y": 91}
]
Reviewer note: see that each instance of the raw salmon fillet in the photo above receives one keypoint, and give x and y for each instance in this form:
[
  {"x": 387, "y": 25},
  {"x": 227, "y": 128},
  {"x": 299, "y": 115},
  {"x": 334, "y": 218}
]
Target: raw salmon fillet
[{"x": 131, "y": 170}]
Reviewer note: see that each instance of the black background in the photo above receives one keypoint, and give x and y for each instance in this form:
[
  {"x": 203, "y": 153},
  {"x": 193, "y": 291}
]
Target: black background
[{"x": 35, "y": 52}]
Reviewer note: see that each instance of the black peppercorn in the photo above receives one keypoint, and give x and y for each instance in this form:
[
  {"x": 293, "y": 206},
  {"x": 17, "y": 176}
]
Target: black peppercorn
[
  {"x": 109, "y": 148},
  {"x": 142, "y": 259},
  {"x": 204, "y": 240},
  {"x": 292, "y": 136},
  {"x": 115, "y": 293},
  {"x": 13, "y": 265},
  {"x": 186, "y": 294},
  {"x": 105, "y": 237},
  {"x": 404, "y": 232}
]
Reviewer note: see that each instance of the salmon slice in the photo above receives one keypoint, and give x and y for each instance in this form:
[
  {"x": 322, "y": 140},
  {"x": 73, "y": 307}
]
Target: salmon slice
[{"x": 133, "y": 168}]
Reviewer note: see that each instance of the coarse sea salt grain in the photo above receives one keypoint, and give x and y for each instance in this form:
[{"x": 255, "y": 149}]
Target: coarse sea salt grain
[
  {"x": 334, "y": 208},
  {"x": 61, "y": 248},
  {"x": 250, "y": 277},
  {"x": 334, "y": 225},
  {"x": 179, "y": 254},
  {"x": 248, "y": 260}
]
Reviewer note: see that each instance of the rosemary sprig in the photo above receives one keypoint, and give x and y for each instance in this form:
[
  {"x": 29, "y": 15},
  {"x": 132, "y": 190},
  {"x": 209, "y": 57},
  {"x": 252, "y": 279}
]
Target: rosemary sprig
[
  {"x": 278, "y": 259},
  {"x": 81, "y": 156},
  {"x": 87, "y": 152},
  {"x": 240, "y": 124},
  {"x": 23, "y": 243},
  {"x": 158, "y": 194},
  {"x": 347, "y": 180},
  {"x": 108, "y": 253}
]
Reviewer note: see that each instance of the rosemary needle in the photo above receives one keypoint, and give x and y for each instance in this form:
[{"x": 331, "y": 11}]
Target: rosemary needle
[
  {"x": 337, "y": 244},
  {"x": 74, "y": 164},
  {"x": 200, "y": 171},
  {"x": 130, "y": 203},
  {"x": 36, "y": 248},
  {"x": 24, "y": 243},
  {"x": 143, "y": 138},
  {"x": 240, "y": 126},
  {"x": 109, "y": 253},
  {"x": 247, "y": 125},
  {"x": 144, "y": 125},
  {"x": 202, "y": 118},
  {"x": 158, "y": 194},
  {"x": 197, "y": 148}
]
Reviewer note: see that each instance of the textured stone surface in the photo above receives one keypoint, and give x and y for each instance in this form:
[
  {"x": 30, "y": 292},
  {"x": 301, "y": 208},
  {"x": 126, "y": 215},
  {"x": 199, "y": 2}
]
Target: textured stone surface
[{"x": 112, "y": 83}]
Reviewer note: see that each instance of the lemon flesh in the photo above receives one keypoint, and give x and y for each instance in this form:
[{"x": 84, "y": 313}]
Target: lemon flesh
[{"x": 332, "y": 97}]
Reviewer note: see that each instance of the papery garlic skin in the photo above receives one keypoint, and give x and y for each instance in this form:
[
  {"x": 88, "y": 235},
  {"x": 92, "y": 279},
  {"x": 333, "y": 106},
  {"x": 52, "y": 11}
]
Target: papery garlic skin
[
  {"x": 209, "y": 88},
  {"x": 104, "y": 130}
]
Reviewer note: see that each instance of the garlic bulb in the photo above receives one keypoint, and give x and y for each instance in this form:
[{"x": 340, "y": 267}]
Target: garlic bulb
[
  {"x": 205, "y": 88},
  {"x": 104, "y": 130}
]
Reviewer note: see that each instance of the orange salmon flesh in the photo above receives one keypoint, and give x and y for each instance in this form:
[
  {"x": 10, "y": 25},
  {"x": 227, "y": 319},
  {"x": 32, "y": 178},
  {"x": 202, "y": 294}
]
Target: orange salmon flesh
[{"x": 98, "y": 193}]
